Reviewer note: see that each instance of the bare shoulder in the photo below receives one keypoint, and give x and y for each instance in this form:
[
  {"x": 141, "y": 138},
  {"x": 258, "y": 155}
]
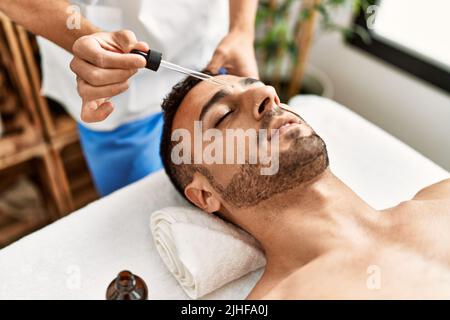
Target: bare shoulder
[
  {"x": 264, "y": 286},
  {"x": 321, "y": 279},
  {"x": 439, "y": 190}
]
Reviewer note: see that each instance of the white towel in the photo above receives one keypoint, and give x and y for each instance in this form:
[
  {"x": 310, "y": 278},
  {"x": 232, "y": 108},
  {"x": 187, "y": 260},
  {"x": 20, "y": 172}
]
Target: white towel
[{"x": 202, "y": 251}]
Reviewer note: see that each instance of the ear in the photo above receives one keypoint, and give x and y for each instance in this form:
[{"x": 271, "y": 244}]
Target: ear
[{"x": 199, "y": 192}]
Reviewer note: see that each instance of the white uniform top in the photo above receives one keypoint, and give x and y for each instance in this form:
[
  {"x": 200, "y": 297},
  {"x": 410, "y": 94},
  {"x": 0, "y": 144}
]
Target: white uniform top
[{"x": 185, "y": 31}]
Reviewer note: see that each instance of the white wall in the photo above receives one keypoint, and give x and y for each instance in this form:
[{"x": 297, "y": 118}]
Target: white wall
[{"x": 408, "y": 108}]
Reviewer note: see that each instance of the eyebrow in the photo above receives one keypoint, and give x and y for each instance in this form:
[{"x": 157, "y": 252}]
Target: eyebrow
[
  {"x": 215, "y": 98},
  {"x": 222, "y": 94},
  {"x": 249, "y": 81}
]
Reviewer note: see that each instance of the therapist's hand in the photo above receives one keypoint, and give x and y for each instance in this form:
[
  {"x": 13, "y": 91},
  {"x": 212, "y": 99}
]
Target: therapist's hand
[
  {"x": 236, "y": 53},
  {"x": 103, "y": 65}
]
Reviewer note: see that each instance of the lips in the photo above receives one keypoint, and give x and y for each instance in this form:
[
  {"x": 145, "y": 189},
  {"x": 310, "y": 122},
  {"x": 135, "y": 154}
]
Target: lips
[{"x": 281, "y": 125}]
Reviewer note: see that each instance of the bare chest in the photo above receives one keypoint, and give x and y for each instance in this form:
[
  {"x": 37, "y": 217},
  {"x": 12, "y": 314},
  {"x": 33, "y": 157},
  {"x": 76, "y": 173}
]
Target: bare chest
[
  {"x": 423, "y": 227},
  {"x": 412, "y": 261}
]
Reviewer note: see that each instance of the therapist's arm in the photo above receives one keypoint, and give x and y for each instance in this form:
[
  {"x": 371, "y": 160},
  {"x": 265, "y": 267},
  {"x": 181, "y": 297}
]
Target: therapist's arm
[
  {"x": 236, "y": 51},
  {"x": 47, "y": 18},
  {"x": 101, "y": 67}
]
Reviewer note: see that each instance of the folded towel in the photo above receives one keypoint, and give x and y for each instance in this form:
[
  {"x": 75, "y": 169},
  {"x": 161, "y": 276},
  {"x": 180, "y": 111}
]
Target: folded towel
[{"x": 202, "y": 251}]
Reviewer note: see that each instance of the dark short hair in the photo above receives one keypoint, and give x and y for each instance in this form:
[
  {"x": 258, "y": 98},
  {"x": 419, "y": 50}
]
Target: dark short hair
[{"x": 182, "y": 174}]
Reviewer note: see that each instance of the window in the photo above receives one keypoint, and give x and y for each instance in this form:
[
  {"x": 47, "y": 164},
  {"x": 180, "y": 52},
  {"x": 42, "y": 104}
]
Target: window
[{"x": 413, "y": 35}]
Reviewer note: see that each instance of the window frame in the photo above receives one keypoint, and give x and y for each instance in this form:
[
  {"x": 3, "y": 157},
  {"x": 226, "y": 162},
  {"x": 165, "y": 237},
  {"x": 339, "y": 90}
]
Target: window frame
[{"x": 394, "y": 55}]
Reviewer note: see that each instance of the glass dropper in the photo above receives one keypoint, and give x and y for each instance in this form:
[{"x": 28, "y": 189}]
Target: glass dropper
[{"x": 154, "y": 61}]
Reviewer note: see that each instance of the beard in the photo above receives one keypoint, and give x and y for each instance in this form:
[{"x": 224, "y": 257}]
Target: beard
[{"x": 305, "y": 159}]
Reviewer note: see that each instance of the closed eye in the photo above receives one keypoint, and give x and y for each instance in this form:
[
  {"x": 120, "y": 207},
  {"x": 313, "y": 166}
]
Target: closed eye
[{"x": 222, "y": 118}]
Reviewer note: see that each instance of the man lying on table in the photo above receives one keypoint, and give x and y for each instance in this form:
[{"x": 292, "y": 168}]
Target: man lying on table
[{"x": 321, "y": 240}]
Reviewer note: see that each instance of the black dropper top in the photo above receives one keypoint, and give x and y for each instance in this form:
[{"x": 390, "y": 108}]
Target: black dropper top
[{"x": 152, "y": 57}]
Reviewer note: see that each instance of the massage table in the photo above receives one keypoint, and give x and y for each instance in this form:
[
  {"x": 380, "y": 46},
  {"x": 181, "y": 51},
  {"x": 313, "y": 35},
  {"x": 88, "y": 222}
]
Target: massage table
[{"x": 79, "y": 255}]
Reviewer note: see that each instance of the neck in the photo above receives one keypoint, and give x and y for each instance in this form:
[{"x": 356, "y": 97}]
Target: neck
[{"x": 309, "y": 221}]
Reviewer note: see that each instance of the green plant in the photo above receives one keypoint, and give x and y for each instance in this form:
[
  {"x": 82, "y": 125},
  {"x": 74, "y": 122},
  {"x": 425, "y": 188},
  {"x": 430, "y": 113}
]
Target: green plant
[{"x": 284, "y": 30}]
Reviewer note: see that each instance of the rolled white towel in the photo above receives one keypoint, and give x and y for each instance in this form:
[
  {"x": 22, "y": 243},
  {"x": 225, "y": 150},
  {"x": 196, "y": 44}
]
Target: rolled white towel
[{"x": 202, "y": 251}]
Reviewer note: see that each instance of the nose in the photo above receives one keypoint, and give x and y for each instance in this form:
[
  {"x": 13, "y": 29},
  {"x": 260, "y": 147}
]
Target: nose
[{"x": 262, "y": 99}]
